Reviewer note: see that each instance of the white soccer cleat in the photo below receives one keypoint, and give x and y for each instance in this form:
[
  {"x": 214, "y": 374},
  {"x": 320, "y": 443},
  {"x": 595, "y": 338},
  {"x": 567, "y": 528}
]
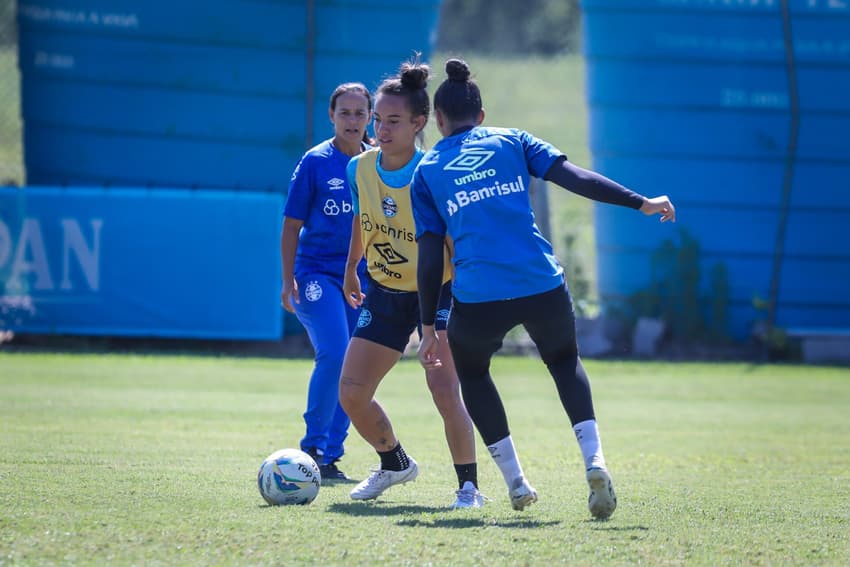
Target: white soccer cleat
[
  {"x": 381, "y": 479},
  {"x": 522, "y": 494},
  {"x": 602, "y": 500},
  {"x": 468, "y": 497}
]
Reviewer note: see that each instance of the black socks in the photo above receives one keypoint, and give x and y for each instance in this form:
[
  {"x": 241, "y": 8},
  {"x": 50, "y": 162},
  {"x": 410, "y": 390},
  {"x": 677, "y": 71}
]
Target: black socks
[
  {"x": 467, "y": 473},
  {"x": 394, "y": 459}
]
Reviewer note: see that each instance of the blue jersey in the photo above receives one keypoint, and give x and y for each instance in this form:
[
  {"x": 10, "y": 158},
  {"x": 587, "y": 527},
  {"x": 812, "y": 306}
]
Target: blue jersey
[
  {"x": 319, "y": 195},
  {"x": 473, "y": 186}
]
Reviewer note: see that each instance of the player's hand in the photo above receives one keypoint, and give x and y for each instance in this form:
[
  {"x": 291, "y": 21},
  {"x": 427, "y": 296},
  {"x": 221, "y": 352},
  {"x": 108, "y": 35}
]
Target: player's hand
[
  {"x": 661, "y": 205},
  {"x": 427, "y": 353},
  {"x": 354, "y": 295},
  {"x": 288, "y": 294}
]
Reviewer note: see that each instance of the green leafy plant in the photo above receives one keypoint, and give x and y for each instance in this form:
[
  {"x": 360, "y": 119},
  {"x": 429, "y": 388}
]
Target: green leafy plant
[
  {"x": 675, "y": 296},
  {"x": 577, "y": 279},
  {"x": 778, "y": 345}
]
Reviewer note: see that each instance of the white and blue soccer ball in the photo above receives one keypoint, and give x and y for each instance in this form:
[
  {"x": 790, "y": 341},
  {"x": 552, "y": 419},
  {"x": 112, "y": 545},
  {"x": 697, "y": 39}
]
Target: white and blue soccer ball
[{"x": 289, "y": 476}]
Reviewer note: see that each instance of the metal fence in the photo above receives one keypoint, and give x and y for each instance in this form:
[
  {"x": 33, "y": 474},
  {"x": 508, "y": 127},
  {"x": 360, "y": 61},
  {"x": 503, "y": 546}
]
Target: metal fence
[{"x": 11, "y": 155}]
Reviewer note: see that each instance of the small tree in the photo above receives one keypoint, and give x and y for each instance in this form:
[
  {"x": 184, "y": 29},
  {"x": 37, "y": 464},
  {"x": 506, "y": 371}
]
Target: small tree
[{"x": 541, "y": 27}]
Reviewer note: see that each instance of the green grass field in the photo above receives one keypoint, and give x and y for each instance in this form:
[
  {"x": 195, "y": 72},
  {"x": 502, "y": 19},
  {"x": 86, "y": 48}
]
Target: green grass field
[{"x": 130, "y": 459}]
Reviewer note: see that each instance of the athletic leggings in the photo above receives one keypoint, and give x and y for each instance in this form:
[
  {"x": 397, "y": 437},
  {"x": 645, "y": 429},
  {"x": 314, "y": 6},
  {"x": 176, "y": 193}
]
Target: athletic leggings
[{"x": 476, "y": 332}]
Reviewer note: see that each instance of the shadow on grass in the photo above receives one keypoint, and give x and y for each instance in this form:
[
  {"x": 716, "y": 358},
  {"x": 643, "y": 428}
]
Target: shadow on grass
[
  {"x": 380, "y": 508},
  {"x": 336, "y": 481},
  {"x": 443, "y": 522},
  {"x": 442, "y": 517},
  {"x": 602, "y": 526}
]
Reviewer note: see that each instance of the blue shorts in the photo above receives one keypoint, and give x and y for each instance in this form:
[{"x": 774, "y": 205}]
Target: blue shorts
[{"x": 388, "y": 316}]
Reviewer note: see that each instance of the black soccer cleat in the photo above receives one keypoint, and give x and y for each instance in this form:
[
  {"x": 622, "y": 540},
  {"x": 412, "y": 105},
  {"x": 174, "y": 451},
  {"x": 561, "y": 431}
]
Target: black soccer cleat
[{"x": 332, "y": 472}]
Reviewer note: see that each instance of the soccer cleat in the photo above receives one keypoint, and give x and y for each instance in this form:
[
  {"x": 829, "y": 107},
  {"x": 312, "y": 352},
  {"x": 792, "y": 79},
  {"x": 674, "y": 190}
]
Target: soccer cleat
[
  {"x": 602, "y": 500},
  {"x": 522, "y": 494},
  {"x": 382, "y": 479},
  {"x": 468, "y": 497},
  {"x": 332, "y": 472},
  {"x": 316, "y": 454}
]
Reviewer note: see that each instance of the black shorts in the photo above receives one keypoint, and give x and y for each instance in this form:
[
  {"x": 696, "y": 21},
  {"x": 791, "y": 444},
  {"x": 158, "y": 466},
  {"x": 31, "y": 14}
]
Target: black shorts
[
  {"x": 477, "y": 330},
  {"x": 388, "y": 316}
]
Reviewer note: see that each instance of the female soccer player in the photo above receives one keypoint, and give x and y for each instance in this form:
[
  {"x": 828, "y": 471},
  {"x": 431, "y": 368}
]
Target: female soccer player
[
  {"x": 380, "y": 187},
  {"x": 473, "y": 187},
  {"x": 313, "y": 251}
]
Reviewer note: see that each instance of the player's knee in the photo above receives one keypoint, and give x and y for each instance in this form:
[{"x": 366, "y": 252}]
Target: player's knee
[
  {"x": 446, "y": 395},
  {"x": 351, "y": 396},
  {"x": 328, "y": 358},
  {"x": 564, "y": 355}
]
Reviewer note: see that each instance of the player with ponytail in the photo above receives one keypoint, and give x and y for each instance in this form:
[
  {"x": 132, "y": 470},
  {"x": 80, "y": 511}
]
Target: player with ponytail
[
  {"x": 313, "y": 251},
  {"x": 506, "y": 273},
  {"x": 383, "y": 231}
]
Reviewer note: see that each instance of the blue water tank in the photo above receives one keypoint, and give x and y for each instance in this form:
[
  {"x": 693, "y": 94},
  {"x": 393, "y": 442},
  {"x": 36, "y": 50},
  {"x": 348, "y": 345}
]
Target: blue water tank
[
  {"x": 220, "y": 94},
  {"x": 739, "y": 110}
]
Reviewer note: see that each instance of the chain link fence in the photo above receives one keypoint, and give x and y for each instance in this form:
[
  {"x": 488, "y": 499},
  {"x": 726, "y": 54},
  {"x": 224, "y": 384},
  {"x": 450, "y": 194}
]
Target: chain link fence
[{"x": 11, "y": 154}]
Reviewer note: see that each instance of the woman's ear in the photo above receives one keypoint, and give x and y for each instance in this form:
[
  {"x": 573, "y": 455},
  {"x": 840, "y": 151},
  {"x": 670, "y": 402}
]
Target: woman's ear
[
  {"x": 480, "y": 119},
  {"x": 420, "y": 122},
  {"x": 438, "y": 114}
]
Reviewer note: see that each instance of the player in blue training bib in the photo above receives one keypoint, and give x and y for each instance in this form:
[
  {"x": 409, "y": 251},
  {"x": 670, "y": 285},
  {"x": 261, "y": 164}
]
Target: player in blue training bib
[
  {"x": 313, "y": 250},
  {"x": 472, "y": 187}
]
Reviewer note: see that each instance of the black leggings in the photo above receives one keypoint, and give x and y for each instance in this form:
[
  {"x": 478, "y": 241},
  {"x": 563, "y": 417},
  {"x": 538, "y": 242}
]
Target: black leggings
[{"x": 476, "y": 332}]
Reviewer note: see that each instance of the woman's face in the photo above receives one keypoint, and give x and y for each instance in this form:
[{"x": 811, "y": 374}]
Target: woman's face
[
  {"x": 350, "y": 117},
  {"x": 395, "y": 126}
]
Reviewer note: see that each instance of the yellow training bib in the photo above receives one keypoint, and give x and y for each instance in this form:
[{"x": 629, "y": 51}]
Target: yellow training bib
[{"x": 387, "y": 228}]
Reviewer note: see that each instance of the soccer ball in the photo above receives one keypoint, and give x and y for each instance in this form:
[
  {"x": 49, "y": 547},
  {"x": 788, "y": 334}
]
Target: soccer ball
[{"x": 289, "y": 476}]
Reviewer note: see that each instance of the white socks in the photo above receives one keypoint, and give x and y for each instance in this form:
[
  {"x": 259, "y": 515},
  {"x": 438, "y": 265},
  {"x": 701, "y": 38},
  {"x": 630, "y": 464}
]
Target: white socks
[
  {"x": 587, "y": 435},
  {"x": 504, "y": 454}
]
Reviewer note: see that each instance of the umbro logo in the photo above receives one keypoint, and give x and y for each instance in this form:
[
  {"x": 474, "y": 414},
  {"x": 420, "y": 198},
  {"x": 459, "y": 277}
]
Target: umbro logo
[
  {"x": 336, "y": 183},
  {"x": 389, "y": 254},
  {"x": 469, "y": 160}
]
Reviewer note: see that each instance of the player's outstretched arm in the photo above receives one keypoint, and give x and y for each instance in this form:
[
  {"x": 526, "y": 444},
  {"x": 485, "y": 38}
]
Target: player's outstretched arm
[{"x": 592, "y": 185}]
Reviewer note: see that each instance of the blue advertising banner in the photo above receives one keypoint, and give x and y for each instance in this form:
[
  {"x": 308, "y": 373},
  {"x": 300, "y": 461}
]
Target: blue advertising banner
[{"x": 139, "y": 262}]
